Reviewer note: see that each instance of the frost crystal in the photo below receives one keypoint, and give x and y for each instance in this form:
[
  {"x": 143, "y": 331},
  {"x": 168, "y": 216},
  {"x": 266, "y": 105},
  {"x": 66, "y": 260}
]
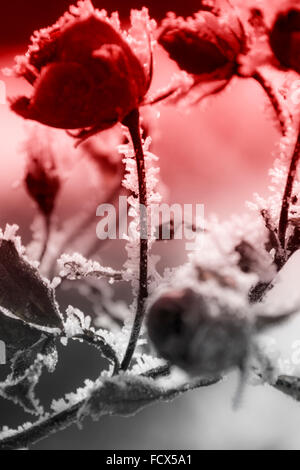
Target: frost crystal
[
  {"x": 76, "y": 322},
  {"x": 76, "y": 267},
  {"x": 131, "y": 268}
]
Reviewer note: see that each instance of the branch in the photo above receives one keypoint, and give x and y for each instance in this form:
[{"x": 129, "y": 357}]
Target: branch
[
  {"x": 60, "y": 421},
  {"x": 47, "y": 219}
]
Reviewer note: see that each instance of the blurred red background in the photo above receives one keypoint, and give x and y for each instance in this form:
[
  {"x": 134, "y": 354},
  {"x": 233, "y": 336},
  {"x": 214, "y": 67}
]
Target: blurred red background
[{"x": 217, "y": 155}]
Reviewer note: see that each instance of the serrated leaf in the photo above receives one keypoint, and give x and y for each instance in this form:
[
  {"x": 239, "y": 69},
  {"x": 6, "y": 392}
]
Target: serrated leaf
[
  {"x": 45, "y": 348},
  {"x": 126, "y": 395},
  {"x": 27, "y": 369},
  {"x": 23, "y": 291},
  {"x": 21, "y": 391}
]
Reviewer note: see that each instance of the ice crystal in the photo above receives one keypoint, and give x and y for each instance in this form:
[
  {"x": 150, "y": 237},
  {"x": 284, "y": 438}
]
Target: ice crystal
[
  {"x": 131, "y": 268},
  {"x": 76, "y": 322},
  {"x": 140, "y": 36}
]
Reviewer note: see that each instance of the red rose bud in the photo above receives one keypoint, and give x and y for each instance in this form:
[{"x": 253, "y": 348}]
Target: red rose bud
[
  {"x": 285, "y": 39},
  {"x": 42, "y": 184},
  {"x": 196, "y": 334},
  {"x": 204, "y": 45},
  {"x": 84, "y": 73}
]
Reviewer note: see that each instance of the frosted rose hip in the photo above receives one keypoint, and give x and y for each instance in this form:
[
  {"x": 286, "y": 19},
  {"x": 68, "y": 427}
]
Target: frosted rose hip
[
  {"x": 285, "y": 39},
  {"x": 204, "y": 45},
  {"x": 185, "y": 332},
  {"x": 84, "y": 74}
]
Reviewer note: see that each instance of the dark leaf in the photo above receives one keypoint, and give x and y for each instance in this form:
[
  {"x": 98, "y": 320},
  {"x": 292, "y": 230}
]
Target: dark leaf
[
  {"x": 27, "y": 369},
  {"x": 17, "y": 336},
  {"x": 23, "y": 291},
  {"x": 21, "y": 391},
  {"x": 24, "y": 360}
]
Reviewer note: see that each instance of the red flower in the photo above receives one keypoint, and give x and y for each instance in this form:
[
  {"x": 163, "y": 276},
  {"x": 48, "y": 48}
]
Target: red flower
[
  {"x": 206, "y": 45},
  {"x": 84, "y": 72},
  {"x": 285, "y": 39}
]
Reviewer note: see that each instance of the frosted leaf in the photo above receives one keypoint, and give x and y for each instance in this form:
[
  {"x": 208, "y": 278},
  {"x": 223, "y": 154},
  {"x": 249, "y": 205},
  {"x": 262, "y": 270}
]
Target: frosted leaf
[
  {"x": 27, "y": 368},
  {"x": 77, "y": 267},
  {"x": 126, "y": 395},
  {"x": 21, "y": 391},
  {"x": 17, "y": 335},
  {"x": 24, "y": 292},
  {"x": 145, "y": 363},
  {"x": 72, "y": 399}
]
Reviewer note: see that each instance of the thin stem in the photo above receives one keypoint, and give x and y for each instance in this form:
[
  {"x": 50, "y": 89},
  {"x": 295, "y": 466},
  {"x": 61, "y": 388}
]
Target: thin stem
[
  {"x": 274, "y": 100},
  {"x": 286, "y": 200},
  {"x": 47, "y": 219},
  {"x": 133, "y": 124},
  {"x": 42, "y": 429}
]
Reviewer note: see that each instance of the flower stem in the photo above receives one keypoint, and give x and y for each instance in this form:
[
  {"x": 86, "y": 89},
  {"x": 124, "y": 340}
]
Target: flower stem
[
  {"x": 47, "y": 219},
  {"x": 286, "y": 200},
  {"x": 274, "y": 101},
  {"x": 133, "y": 124}
]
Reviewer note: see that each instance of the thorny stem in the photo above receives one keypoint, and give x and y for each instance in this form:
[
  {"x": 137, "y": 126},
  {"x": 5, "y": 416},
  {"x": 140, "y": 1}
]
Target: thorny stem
[
  {"x": 286, "y": 200},
  {"x": 274, "y": 101},
  {"x": 133, "y": 124}
]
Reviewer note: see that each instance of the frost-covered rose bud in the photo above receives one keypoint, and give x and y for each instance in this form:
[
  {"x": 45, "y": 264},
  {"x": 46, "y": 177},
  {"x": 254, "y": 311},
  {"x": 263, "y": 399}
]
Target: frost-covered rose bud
[
  {"x": 198, "y": 334},
  {"x": 206, "y": 45},
  {"x": 84, "y": 71},
  {"x": 285, "y": 39}
]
